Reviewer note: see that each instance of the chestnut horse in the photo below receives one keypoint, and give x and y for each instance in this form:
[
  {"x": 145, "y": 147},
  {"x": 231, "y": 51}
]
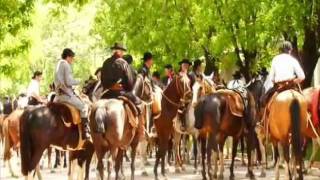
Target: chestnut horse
[
  {"x": 174, "y": 96},
  {"x": 216, "y": 121},
  {"x": 120, "y": 128},
  {"x": 286, "y": 123}
]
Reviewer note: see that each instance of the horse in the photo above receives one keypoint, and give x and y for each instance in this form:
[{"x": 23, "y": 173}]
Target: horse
[
  {"x": 55, "y": 124},
  {"x": 200, "y": 87},
  {"x": 121, "y": 127},
  {"x": 287, "y": 128},
  {"x": 312, "y": 96},
  {"x": 174, "y": 96},
  {"x": 216, "y": 119}
]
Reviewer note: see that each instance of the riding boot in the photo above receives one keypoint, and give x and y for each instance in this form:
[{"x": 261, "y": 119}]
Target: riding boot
[{"x": 85, "y": 129}]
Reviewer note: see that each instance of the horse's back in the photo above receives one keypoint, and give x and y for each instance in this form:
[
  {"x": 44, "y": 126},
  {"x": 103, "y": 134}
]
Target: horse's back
[{"x": 280, "y": 117}]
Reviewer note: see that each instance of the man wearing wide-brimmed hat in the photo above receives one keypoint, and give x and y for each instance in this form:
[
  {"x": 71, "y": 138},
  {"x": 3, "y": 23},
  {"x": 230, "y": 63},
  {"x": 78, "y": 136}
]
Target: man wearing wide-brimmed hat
[
  {"x": 184, "y": 66},
  {"x": 117, "y": 77},
  {"x": 237, "y": 81}
]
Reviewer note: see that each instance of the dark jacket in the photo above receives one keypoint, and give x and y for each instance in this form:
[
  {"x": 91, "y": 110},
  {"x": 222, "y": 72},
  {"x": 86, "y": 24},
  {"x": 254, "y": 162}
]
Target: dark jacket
[{"x": 116, "y": 70}]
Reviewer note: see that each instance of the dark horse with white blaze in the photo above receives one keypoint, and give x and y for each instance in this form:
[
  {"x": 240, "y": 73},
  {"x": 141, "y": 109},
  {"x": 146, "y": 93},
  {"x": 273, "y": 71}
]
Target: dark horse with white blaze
[
  {"x": 216, "y": 120},
  {"x": 44, "y": 126},
  {"x": 121, "y": 129},
  {"x": 174, "y": 96}
]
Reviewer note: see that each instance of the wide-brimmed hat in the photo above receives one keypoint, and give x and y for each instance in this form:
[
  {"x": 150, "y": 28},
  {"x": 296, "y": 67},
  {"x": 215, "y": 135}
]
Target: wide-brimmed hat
[
  {"x": 237, "y": 75},
  {"x": 197, "y": 63},
  {"x": 147, "y": 56},
  {"x": 185, "y": 61},
  {"x": 118, "y": 46},
  {"x": 168, "y": 66}
]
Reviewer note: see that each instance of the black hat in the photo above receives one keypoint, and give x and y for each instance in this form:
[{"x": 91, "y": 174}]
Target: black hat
[
  {"x": 37, "y": 73},
  {"x": 118, "y": 46},
  {"x": 197, "y": 63},
  {"x": 128, "y": 58},
  {"x": 147, "y": 56},
  {"x": 168, "y": 66},
  {"x": 237, "y": 75},
  {"x": 264, "y": 72},
  {"x": 185, "y": 61}
]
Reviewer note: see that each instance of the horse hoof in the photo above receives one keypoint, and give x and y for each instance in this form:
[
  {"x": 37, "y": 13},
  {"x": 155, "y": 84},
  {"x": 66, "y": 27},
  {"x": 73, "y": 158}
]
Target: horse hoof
[
  {"x": 231, "y": 177},
  {"x": 250, "y": 175},
  {"x": 183, "y": 168},
  {"x": 144, "y": 173},
  {"x": 52, "y": 171},
  {"x": 14, "y": 176},
  {"x": 215, "y": 176},
  {"x": 220, "y": 177},
  {"x": 178, "y": 170},
  {"x": 262, "y": 175},
  {"x": 147, "y": 163}
]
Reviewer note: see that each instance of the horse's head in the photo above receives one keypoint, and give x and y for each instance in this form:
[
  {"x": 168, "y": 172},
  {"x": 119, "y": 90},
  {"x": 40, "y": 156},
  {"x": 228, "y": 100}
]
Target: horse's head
[
  {"x": 88, "y": 87},
  {"x": 182, "y": 83},
  {"x": 200, "y": 88},
  {"x": 143, "y": 88}
]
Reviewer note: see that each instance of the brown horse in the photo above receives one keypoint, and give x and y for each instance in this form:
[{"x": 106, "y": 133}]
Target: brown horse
[
  {"x": 286, "y": 123},
  {"x": 10, "y": 129},
  {"x": 313, "y": 129},
  {"x": 121, "y": 128},
  {"x": 217, "y": 118},
  {"x": 44, "y": 126},
  {"x": 175, "y": 95}
]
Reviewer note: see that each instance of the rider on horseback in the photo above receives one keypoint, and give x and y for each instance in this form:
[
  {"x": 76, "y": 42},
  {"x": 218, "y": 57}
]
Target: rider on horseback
[
  {"x": 145, "y": 70},
  {"x": 117, "y": 77},
  {"x": 64, "y": 81},
  {"x": 285, "y": 71},
  {"x": 33, "y": 91}
]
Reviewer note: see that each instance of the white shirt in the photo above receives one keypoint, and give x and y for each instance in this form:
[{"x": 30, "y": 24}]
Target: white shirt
[
  {"x": 284, "y": 67},
  {"x": 235, "y": 84},
  {"x": 33, "y": 88}
]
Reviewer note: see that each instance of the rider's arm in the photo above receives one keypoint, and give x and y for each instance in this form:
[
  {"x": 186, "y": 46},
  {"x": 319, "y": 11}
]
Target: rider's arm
[
  {"x": 129, "y": 77},
  {"x": 298, "y": 71},
  {"x": 68, "y": 77}
]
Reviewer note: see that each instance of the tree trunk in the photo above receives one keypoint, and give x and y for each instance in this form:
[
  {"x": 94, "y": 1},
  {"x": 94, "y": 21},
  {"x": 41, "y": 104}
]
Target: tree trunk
[{"x": 309, "y": 55}]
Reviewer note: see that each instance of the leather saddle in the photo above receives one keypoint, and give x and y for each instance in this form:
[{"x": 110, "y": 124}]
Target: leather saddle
[
  {"x": 235, "y": 101},
  {"x": 66, "y": 112},
  {"x": 131, "y": 111}
]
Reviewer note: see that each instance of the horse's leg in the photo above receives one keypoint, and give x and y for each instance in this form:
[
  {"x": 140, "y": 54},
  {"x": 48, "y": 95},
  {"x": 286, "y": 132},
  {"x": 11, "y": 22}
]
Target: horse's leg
[
  {"x": 195, "y": 153},
  {"x": 234, "y": 153},
  {"x": 177, "y": 150},
  {"x": 143, "y": 145},
  {"x": 57, "y": 160},
  {"x": 242, "y": 150},
  {"x": 276, "y": 160},
  {"x": 65, "y": 159},
  {"x": 118, "y": 162},
  {"x": 71, "y": 169},
  {"x": 89, "y": 151},
  {"x": 263, "y": 157},
  {"x": 210, "y": 144},
  {"x": 287, "y": 160},
  {"x": 221, "y": 158},
  {"x": 133, "y": 158},
  {"x": 49, "y": 157},
  {"x": 249, "y": 141},
  {"x": 100, "y": 152},
  {"x": 203, "y": 158},
  {"x": 315, "y": 148}
]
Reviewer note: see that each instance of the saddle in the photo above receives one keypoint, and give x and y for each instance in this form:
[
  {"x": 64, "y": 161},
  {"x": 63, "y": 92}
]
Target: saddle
[
  {"x": 131, "y": 111},
  {"x": 70, "y": 116},
  {"x": 235, "y": 101},
  {"x": 68, "y": 113}
]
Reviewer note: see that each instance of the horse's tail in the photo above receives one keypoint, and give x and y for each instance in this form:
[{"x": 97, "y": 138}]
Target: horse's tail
[
  {"x": 100, "y": 116},
  {"x": 296, "y": 134},
  {"x": 25, "y": 144}
]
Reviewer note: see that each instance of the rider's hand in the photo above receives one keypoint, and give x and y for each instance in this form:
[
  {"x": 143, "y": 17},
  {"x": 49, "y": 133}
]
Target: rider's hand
[{"x": 297, "y": 81}]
